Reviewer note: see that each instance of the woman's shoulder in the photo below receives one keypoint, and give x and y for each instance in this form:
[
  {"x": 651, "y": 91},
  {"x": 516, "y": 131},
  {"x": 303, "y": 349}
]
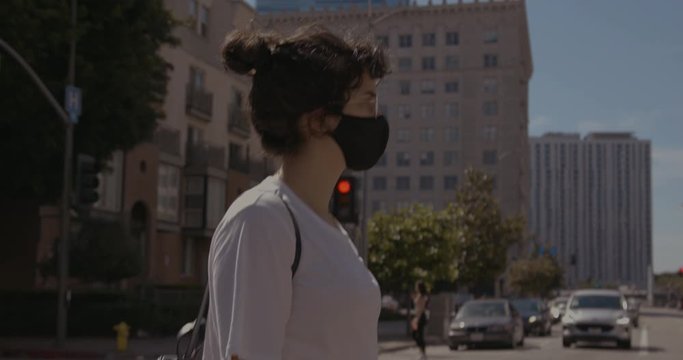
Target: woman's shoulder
[{"x": 256, "y": 204}]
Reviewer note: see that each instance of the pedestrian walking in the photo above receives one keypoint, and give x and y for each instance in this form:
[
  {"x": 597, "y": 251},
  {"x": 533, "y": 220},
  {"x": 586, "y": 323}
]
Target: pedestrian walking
[
  {"x": 421, "y": 303},
  {"x": 285, "y": 280}
]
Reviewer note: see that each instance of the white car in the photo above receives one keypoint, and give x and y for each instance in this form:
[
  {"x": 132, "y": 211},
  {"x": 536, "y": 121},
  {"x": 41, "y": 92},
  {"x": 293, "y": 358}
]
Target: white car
[{"x": 597, "y": 316}]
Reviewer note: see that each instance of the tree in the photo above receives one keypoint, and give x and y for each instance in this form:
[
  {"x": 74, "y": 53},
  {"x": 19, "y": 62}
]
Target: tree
[
  {"x": 484, "y": 236},
  {"x": 118, "y": 67},
  {"x": 537, "y": 276},
  {"x": 102, "y": 252},
  {"x": 410, "y": 245}
]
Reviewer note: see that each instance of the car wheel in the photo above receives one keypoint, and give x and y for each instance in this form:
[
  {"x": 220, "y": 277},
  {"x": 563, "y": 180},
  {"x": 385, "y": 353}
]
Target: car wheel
[
  {"x": 626, "y": 344},
  {"x": 453, "y": 346},
  {"x": 566, "y": 342},
  {"x": 521, "y": 342}
]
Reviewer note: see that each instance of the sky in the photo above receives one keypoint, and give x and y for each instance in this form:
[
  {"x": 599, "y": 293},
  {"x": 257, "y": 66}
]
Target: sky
[{"x": 616, "y": 65}]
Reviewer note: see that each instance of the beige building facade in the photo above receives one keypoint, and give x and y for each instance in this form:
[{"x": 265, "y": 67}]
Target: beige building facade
[{"x": 456, "y": 98}]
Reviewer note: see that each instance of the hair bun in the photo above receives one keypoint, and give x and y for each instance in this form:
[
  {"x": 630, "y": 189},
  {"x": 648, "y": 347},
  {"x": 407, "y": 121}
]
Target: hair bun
[{"x": 246, "y": 51}]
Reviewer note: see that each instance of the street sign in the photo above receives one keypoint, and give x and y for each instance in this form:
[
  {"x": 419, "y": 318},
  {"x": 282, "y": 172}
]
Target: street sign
[{"x": 72, "y": 103}]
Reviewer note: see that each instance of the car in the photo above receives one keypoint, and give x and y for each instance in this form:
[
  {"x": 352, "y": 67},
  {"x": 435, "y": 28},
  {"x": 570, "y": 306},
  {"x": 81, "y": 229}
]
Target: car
[
  {"x": 490, "y": 321},
  {"x": 535, "y": 315},
  {"x": 595, "y": 316},
  {"x": 557, "y": 308},
  {"x": 634, "y": 310}
]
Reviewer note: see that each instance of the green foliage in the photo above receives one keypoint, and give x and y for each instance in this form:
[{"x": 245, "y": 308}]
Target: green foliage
[
  {"x": 118, "y": 67},
  {"x": 670, "y": 281},
  {"x": 410, "y": 245},
  {"x": 537, "y": 276},
  {"x": 467, "y": 242},
  {"x": 484, "y": 235}
]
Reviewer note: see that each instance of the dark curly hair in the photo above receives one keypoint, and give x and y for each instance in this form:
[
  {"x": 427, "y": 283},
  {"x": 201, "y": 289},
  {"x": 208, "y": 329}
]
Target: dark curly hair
[{"x": 312, "y": 69}]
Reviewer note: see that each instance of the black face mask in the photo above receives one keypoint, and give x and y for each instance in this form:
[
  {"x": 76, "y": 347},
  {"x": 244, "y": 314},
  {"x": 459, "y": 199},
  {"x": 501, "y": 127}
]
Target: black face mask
[{"x": 362, "y": 140}]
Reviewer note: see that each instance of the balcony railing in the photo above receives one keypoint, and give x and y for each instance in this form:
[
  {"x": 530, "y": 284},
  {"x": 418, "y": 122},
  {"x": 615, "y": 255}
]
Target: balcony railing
[
  {"x": 205, "y": 155},
  {"x": 168, "y": 140},
  {"x": 238, "y": 121},
  {"x": 199, "y": 102}
]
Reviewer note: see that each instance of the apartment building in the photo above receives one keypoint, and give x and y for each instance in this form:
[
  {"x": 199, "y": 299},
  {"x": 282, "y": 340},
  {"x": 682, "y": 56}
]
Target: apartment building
[{"x": 591, "y": 203}]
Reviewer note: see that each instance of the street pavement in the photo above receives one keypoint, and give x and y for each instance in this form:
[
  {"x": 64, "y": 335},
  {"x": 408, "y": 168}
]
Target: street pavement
[{"x": 660, "y": 336}]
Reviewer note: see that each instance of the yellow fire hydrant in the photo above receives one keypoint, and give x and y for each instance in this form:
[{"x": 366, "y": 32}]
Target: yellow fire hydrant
[{"x": 122, "y": 332}]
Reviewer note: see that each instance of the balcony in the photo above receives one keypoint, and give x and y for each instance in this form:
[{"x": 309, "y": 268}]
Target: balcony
[
  {"x": 238, "y": 121},
  {"x": 204, "y": 155},
  {"x": 168, "y": 140},
  {"x": 199, "y": 103}
]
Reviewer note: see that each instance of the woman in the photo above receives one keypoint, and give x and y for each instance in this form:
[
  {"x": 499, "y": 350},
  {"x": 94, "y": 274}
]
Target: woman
[
  {"x": 313, "y": 102},
  {"x": 421, "y": 301}
]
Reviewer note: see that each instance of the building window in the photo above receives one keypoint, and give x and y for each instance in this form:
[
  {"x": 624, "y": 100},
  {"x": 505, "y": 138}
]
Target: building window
[
  {"x": 403, "y": 135},
  {"x": 428, "y": 87},
  {"x": 452, "y": 38},
  {"x": 427, "y": 134},
  {"x": 203, "y": 21},
  {"x": 490, "y": 60},
  {"x": 238, "y": 159},
  {"x": 403, "y": 183},
  {"x": 451, "y": 87},
  {"x": 426, "y": 183},
  {"x": 197, "y": 76},
  {"x": 427, "y": 158},
  {"x": 450, "y": 182},
  {"x": 404, "y": 87},
  {"x": 188, "y": 257},
  {"x": 404, "y": 112},
  {"x": 405, "y": 41},
  {"x": 452, "y": 62},
  {"x": 382, "y": 162},
  {"x": 490, "y": 37},
  {"x": 378, "y": 206},
  {"x": 450, "y": 158},
  {"x": 379, "y": 183},
  {"x": 490, "y": 86},
  {"x": 215, "y": 202},
  {"x": 168, "y": 192},
  {"x": 195, "y": 198},
  {"x": 489, "y": 132},
  {"x": 382, "y": 40},
  {"x": 429, "y": 39},
  {"x": 490, "y": 157},
  {"x": 428, "y": 111},
  {"x": 452, "y": 110},
  {"x": 405, "y": 64},
  {"x": 451, "y": 135},
  {"x": 490, "y": 108},
  {"x": 402, "y": 159},
  {"x": 428, "y": 63}
]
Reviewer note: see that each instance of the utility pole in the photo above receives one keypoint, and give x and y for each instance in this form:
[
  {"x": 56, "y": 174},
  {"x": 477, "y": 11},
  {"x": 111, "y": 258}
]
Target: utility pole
[{"x": 64, "y": 294}]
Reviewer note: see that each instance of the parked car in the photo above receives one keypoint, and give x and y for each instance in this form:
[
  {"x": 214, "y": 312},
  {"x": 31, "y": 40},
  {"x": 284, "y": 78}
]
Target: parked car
[
  {"x": 535, "y": 315},
  {"x": 486, "y": 322},
  {"x": 557, "y": 308},
  {"x": 634, "y": 310},
  {"x": 596, "y": 316}
]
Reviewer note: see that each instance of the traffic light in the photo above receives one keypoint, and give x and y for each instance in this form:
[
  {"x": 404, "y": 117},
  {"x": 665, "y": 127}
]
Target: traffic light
[
  {"x": 344, "y": 200},
  {"x": 86, "y": 182},
  {"x": 680, "y": 271}
]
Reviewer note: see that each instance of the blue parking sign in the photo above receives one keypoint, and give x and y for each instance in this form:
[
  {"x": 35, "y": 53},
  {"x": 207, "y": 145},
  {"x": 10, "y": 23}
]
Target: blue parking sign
[{"x": 72, "y": 102}]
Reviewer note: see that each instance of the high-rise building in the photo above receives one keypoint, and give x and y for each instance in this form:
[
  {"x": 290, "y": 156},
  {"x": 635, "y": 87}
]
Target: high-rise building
[
  {"x": 456, "y": 98},
  {"x": 274, "y": 6},
  {"x": 591, "y": 204}
]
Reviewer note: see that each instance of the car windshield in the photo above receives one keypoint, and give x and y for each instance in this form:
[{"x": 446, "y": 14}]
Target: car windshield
[
  {"x": 483, "y": 309},
  {"x": 526, "y": 305},
  {"x": 596, "y": 302}
]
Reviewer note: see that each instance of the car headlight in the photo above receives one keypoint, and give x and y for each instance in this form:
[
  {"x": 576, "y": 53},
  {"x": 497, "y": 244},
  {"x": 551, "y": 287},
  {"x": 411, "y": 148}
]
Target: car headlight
[
  {"x": 458, "y": 326},
  {"x": 624, "y": 320},
  {"x": 555, "y": 313},
  {"x": 532, "y": 319}
]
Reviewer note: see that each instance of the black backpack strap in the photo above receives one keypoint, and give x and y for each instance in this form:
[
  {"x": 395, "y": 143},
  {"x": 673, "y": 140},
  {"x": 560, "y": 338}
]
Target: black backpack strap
[{"x": 297, "y": 233}]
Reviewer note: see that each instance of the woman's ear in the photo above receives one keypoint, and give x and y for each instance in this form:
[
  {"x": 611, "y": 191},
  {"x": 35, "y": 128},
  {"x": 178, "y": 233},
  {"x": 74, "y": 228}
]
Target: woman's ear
[{"x": 318, "y": 123}]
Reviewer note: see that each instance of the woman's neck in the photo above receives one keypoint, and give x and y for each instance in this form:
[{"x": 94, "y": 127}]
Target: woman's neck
[{"x": 312, "y": 177}]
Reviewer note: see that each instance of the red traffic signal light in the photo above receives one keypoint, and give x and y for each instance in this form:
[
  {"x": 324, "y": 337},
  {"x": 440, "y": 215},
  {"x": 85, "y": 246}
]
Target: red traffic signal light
[
  {"x": 344, "y": 186},
  {"x": 680, "y": 271},
  {"x": 344, "y": 200}
]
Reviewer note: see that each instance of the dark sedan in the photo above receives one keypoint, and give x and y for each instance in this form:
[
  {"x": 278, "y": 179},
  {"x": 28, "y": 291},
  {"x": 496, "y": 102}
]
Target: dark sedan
[
  {"x": 481, "y": 322},
  {"x": 536, "y": 316}
]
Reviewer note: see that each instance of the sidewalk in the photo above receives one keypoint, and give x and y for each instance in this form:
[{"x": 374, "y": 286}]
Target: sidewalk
[{"x": 105, "y": 348}]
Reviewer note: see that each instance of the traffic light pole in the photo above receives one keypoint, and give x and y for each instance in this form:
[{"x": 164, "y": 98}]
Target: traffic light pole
[{"x": 62, "y": 302}]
